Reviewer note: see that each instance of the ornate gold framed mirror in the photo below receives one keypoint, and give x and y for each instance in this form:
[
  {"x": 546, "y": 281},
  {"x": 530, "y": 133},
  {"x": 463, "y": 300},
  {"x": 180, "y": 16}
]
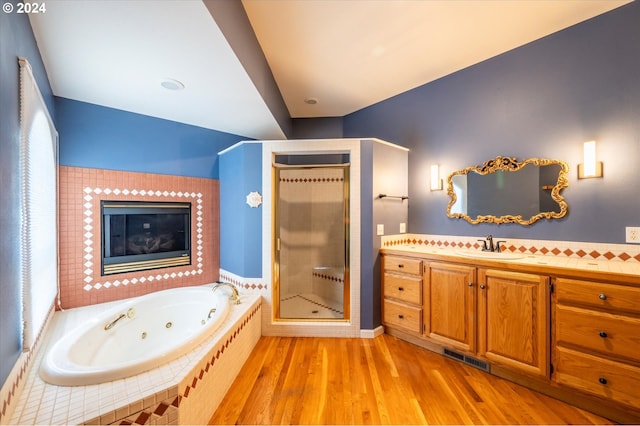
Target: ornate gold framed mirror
[{"x": 504, "y": 190}]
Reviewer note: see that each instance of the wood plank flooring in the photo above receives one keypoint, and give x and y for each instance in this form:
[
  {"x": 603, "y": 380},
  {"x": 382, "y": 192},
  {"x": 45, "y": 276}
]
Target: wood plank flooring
[{"x": 295, "y": 380}]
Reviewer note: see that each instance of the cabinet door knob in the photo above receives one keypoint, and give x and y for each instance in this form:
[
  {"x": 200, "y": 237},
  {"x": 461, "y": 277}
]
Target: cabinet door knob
[
  {"x": 400, "y": 265},
  {"x": 482, "y": 286},
  {"x": 603, "y": 334},
  {"x": 602, "y": 296},
  {"x": 470, "y": 284},
  {"x": 401, "y": 316},
  {"x": 400, "y": 288},
  {"x": 602, "y": 381}
]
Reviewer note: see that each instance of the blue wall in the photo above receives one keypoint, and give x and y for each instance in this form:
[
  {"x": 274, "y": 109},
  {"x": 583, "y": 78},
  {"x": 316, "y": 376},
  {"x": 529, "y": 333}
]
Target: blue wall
[
  {"x": 105, "y": 138},
  {"x": 541, "y": 100},
  {"x": 241, "y": 225},
  {"x": 16, "y": 39}
]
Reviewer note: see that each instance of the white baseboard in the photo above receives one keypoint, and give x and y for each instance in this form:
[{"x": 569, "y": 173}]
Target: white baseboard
[{"x": 370, "y": 334}]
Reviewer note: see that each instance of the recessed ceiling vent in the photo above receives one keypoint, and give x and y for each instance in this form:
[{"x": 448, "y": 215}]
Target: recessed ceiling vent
[{"x": 172, "y": 84}]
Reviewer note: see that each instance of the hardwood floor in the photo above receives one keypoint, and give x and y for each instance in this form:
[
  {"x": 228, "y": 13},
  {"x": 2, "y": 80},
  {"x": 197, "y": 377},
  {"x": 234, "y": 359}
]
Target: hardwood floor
[{"x": 294, "y": 380}]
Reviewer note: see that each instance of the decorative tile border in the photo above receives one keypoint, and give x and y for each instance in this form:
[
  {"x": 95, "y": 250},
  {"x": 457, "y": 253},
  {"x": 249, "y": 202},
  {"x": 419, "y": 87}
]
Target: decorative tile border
[
  {"x": 82, "y": 189},
  {"x": 152, "y": 397},
  {"x": 579, "y": 250},
  {"x": 242, "y": 283},
  {"x": 335, "y": 277},
  {"x": 224, "y": 345},
  {"x": 167, "y": 410},
  {"x": 313, "y": 302},
  {"x": 311, "y": 180},
  {"x": 164, "y": 411},
  {"x": 89, "y": 248}
]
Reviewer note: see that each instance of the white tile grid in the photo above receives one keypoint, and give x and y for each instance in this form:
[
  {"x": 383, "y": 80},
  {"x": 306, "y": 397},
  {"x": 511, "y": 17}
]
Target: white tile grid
[
  {"x": 304, "y": 306},
  {"x": 329, "y": 284},
  {"x": 42, "y": 403},
  {"x": 203, "y": 400},
  {"x": 14, "y": 385}
]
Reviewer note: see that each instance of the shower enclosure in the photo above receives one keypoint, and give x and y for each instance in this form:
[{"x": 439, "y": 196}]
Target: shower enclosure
[{"x": 311, "y": 245}]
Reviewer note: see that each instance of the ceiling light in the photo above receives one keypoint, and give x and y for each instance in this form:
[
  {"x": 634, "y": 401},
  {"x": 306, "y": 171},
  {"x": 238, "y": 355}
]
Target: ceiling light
[
  {"x": 311, "y": 101},
  {"x": 172, "y": 84}
]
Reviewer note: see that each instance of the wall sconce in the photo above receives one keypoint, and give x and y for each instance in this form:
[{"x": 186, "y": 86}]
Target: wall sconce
[
  {"x": 590, "y": 168},
  {"x": 436, "y": 182}
]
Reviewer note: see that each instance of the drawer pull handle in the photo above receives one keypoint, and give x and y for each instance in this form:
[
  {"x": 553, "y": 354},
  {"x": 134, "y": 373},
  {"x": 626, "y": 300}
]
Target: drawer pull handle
[
  {"x": 602, "y": 296},
  {"x": 400, "y": 288},
  {"x": 603, "y": 334},
  {"x": 602, "y": 381},
  {"x": 401, "y": 316},
  {"x": 400, "y": 265}
]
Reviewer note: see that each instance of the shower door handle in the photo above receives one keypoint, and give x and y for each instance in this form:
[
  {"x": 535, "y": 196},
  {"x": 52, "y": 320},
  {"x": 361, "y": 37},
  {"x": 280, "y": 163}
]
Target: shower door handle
[{"x": 277, "y": 244}]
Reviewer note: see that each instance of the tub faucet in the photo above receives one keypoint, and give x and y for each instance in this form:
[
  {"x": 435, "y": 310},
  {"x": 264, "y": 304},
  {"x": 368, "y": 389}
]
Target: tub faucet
[
  {"x": 235, "y": 296},
  {"x": 130, "y": 314},
  {"x": 112, "y": 323}
]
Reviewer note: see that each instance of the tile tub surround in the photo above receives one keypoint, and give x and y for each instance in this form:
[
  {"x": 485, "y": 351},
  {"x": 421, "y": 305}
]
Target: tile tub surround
[
  {"x": 82, "y": 189},
  {"x": 184, "y": 391},
  {"x": 600, "y": 252},
  {"x": 13, "y": 386}
]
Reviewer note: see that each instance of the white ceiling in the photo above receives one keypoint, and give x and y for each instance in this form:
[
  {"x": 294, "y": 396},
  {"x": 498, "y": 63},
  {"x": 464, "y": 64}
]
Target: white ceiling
[{"x": 346, "y": 54}]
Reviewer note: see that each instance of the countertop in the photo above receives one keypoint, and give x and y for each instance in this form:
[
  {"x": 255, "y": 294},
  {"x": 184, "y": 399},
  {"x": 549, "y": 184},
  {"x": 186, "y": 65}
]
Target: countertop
[{"x": 624, "y": 272}]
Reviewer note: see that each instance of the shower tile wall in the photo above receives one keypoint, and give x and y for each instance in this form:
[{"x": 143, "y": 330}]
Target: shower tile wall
[
  {"x": 311, "y": 225},
  {"x": 82, "y": 189}
]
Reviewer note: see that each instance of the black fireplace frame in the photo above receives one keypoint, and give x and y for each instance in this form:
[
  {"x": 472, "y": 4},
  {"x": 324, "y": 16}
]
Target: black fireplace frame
[{"x": 117, "y": 264}]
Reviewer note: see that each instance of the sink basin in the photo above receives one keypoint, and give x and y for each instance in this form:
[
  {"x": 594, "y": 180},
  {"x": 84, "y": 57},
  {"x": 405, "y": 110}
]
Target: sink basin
[{"x": 490, "y": 255}]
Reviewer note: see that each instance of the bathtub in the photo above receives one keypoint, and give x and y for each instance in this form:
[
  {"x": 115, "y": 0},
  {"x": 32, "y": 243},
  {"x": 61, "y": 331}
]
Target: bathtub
[{"x": 135, "y": 336}]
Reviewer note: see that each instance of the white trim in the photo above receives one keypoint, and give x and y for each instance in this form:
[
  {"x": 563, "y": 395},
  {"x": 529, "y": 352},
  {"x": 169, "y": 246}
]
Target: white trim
[
  {"x": 236, "y": 145},
  {"x": 372, "y": 334}
]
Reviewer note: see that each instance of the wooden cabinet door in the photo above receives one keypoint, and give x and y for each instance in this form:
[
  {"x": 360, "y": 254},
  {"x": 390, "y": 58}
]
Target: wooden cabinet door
[
  {"x": 513, "y": 320},
  {"x": 449, "y": 305}
]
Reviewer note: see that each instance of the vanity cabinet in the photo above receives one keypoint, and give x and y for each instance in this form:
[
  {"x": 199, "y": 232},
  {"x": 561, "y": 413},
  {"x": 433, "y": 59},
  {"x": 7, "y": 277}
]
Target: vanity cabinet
[
  {"x": 450, "y": 305},
  {"x": 513, "y": 320},
  {"x": 402, "y": 293},
  {"x": 501, "y": 316},
  {"x": 596, "y": 339},
  {"x": 573, "y": 334}
]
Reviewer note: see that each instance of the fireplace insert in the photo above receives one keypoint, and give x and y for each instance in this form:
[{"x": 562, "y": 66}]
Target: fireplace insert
[{"x": 141, "y": 235}]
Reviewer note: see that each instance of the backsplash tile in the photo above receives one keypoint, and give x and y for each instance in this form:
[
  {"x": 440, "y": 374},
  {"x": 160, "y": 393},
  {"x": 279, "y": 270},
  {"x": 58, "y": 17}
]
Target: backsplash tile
[
  {"x": 82, "y": 189},
  {"x": 571, "y": 249}
]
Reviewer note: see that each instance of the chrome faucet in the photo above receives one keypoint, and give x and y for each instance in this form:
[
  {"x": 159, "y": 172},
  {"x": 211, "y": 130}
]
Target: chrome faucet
[{"x": 235, "y": 296}]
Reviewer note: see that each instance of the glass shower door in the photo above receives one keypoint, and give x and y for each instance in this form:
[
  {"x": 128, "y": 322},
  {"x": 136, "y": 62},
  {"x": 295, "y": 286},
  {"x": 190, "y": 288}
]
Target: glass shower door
[{"x": 311, "y": 244}]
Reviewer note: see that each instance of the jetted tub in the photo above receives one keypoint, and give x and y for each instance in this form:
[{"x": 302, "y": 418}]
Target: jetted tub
[{"x": 135, "y": 336}]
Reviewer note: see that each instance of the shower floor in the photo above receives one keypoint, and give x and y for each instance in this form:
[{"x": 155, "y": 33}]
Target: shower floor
[{"x": 309, "y": 306}]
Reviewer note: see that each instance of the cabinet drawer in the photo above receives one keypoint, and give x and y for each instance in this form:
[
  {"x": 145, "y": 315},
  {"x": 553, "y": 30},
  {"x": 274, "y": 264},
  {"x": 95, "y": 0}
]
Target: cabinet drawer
[
  {"x": 598, "y": 376},
  {"x": 609, "y": 334},
  {"x": 598, "y": 295},
  {"x": 407, "y": 317},
  {"x": 403, "y": 287},
  {"x": 403, "y": 264}
]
